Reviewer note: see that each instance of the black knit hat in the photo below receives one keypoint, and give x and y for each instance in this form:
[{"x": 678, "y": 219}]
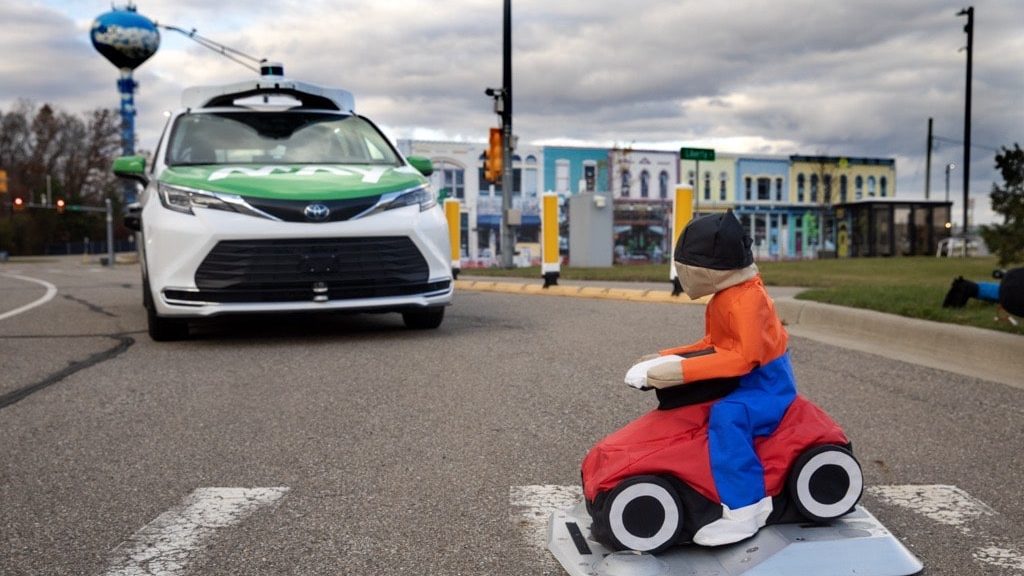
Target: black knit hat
[{"x": 715, "y": 241}]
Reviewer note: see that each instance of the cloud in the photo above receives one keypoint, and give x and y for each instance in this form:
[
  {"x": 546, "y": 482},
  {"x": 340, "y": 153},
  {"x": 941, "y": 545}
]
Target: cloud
[{"x": 792, "y": 76}]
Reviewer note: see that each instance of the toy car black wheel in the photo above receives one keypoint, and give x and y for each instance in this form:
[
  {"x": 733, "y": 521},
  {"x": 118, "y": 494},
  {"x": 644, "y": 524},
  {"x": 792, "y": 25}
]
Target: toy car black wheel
[
  {"x": 826, "y": 482},
  {"x": 644, "y": 514}
]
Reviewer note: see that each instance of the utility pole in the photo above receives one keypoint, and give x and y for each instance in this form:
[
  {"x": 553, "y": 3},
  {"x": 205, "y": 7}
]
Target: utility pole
[
  {"x": 928, "y": 164},
  {"x": 969, "y": 29},
  {"x": 508, "y": 247}
]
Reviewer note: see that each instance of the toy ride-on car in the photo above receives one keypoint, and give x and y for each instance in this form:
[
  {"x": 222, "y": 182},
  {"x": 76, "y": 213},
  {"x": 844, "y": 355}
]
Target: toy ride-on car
[{"x": 649, "y": 485}]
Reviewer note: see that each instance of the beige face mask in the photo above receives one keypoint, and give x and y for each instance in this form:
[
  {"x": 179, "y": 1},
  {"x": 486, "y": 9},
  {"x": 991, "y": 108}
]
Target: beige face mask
[{"x": 699, "y": 282}]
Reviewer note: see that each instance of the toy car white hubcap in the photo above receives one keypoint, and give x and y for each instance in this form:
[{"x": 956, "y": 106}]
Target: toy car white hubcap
[
  {"x": 829, "y": 484},
  {"x": 644, "y": 516}
]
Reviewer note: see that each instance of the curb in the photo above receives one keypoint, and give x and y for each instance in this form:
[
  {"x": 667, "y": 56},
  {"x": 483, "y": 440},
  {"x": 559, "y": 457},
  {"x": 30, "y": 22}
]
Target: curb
[
  {"x": 595, "y": 292},
  {"x": 965, "y": 350}
]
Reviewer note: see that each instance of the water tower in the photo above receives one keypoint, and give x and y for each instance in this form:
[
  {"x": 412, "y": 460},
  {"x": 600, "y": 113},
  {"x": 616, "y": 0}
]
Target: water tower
[{"x": 127, "y": 39}]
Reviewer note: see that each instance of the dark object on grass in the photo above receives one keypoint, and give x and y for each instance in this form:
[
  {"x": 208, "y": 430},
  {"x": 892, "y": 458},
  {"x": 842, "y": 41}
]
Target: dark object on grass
[
  {"x": 1011, "y": 291},
  {"x": 960, "y": 292},
  {"x": 1008, "y": 293}
]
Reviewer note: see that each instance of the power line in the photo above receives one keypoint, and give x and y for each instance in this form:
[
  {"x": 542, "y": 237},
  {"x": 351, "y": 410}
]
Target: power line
[{"x": 960, "y": 142}]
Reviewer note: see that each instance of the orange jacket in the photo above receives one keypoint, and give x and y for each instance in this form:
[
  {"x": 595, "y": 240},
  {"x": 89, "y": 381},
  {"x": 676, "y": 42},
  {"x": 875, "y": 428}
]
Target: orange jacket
[{"x": 743, "y": 330}]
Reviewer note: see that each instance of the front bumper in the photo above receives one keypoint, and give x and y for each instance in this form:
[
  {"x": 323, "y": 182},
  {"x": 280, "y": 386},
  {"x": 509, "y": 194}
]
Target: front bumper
[{"x": 217, "y": 262}]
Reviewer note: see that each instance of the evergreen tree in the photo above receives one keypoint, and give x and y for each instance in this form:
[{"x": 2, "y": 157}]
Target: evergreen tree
[{"x": 1007, "y": 239}]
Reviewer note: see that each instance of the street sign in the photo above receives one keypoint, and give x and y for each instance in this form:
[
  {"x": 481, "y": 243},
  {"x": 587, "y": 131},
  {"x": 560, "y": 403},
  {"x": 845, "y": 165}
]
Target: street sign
[{"x": 697, "y": 154}]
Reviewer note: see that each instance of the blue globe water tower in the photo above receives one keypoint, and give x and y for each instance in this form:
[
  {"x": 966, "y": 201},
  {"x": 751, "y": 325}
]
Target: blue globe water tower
[{"x": 127, "y": 39}]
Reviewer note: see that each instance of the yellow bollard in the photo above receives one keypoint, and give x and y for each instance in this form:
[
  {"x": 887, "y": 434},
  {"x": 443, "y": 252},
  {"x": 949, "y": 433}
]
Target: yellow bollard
[
  {"x": 682, "y": 213},
  {"x": 551, "y": 261},
  {"x": 452, "y": 210}
]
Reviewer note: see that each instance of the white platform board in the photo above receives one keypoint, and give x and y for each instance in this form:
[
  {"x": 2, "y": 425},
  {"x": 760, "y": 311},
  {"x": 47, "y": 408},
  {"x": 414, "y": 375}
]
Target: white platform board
[{"x": 855, "y": 545}]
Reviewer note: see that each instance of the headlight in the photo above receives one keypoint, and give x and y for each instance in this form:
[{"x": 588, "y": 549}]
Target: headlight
[
  {"x": 420, "y": 195},
  {"x": 181, "y": 199}
]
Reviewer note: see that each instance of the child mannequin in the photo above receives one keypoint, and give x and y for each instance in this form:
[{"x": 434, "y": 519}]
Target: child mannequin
[{"x": 743, "y": 339}]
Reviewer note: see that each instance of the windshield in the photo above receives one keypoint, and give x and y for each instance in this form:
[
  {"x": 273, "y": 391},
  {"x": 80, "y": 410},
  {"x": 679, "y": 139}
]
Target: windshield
[{"x": 276, "y": 138}]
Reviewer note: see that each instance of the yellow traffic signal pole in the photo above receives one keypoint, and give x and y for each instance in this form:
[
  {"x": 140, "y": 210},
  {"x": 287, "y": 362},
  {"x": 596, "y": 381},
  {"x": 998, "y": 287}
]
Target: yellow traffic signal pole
[
  {"x": 551, "y": 261},
  {"x": 682, "y": 213}
]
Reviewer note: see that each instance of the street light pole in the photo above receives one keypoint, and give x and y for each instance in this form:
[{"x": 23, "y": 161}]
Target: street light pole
[
  {"x": 949, "y": 167},
  {"x": 969, "y": 29}
]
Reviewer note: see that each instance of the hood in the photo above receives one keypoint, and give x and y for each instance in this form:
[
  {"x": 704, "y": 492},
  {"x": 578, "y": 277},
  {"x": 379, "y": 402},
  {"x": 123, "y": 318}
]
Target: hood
[
  {"x": 699, "y": 282},
  {"x": 296, "y": 182}
]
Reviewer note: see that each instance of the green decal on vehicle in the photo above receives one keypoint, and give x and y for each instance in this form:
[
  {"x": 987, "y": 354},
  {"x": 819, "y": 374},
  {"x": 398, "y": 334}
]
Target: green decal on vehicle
[{"x": 302, "y": 182}]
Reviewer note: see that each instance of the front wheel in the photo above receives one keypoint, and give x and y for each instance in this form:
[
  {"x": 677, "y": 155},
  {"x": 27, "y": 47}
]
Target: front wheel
[
  {"x": 826, "y": 482},
  {"x": 161, "y": 329},
  {"x": 426, "y": 319},
  {"x": 644, "y": 514}
]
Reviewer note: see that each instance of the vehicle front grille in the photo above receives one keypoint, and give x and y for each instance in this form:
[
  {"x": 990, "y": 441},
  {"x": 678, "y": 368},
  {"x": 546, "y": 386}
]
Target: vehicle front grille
[
  {"x": 294, "y": 210},
  {"x": 239, "y": 271}
]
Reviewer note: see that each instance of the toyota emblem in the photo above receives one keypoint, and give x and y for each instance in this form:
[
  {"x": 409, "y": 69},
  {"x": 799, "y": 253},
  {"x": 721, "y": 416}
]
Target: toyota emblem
[{"x": 317, "y": 212}]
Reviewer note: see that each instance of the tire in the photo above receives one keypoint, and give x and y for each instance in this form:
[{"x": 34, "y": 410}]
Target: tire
[
  {"x": 426, "y": 319},
  {"x": 644, "y": 513},
  {"x": 826, "y": 482},
  {"x": 161, "y": 329}
]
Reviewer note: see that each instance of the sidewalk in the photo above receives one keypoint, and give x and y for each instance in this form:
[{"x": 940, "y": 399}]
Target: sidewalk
[{"x": 985, "y": 354}]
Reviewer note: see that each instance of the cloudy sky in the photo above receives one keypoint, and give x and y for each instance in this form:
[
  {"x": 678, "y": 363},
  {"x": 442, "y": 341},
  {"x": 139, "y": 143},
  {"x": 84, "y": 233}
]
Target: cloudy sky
[{"x": 852, "y": 78}]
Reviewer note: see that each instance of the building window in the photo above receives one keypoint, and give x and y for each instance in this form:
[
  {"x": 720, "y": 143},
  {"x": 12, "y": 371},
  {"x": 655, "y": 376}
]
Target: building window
[
  {"x": 562, "y": 176},
  {"x": 858, "y": 187},
  {"x": 800, "y": 183},
  {"x": 449, "y": 179},
  {"x": 690, "y": 175},
  {"x": 645, "y": 184},
  {"x": 843, "y": 185},
  {"x": 663, "y": 185},
  {"x": 590, "y": 175},
  {"x": 814, "y": 188},
  {"x": 764, "y": 188},
  {"x": 530, "y": 185},
  {"x": 827, "y": 182},
  {"x": 707, "y": 185},
  {"x": 625, "y": 177},
  {"x": 778, "y": 189},
  {"x": 871, "y": 186},
  {"x": 747, "y": 185},
  {"x": 723, "y": 180},
  {"x": 883, "y": 185}
]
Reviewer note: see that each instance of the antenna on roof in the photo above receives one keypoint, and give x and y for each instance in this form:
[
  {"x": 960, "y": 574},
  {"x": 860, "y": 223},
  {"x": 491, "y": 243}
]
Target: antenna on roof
[{"x": 225, "y": 51}]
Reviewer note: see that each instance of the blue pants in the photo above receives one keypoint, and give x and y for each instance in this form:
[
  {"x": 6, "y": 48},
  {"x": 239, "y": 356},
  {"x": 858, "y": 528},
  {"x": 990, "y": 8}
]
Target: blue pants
[{"x": 754, "y": 409}]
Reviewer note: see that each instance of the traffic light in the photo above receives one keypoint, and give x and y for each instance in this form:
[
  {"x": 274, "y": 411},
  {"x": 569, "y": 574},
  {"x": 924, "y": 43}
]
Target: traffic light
[
  {"x": 494, "y": 157},
  {"x": 60, "y": 205},
  {"x": 19, "y": 203},
  {"x": 3, "y": 181}
]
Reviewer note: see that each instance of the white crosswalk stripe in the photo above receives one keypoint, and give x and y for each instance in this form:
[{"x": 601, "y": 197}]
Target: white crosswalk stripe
[{"x": 165, "y": 546}]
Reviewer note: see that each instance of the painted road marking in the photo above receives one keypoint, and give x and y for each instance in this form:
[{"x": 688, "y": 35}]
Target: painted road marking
[
  {"x": 944, "y": 504},
  {"x": 165, "y": 546},
  {"x": 954, "y": 507},
  {"x": 51, "y": 291},
  {"x": 531, "y": 507}
]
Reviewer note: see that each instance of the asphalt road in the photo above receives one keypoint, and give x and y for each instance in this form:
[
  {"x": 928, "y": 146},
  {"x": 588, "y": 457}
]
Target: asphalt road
[{"x": 399, "y": 448}]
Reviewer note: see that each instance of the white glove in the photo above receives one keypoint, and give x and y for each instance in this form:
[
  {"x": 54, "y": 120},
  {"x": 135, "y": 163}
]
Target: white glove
[{"x": 637, "y": 375}]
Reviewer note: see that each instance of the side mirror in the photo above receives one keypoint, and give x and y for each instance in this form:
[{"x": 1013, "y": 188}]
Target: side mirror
[
  {"x": 133, "y": 217},
  {"x": 131, "y": 168},
  {"x": 424, "y": 165}
]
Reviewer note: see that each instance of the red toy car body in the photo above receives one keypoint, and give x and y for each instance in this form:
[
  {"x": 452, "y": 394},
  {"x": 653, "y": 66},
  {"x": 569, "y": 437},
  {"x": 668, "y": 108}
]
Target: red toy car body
[{"x": 668, "y": 448}]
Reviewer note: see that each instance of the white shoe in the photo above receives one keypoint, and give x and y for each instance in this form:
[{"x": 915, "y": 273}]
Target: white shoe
[{"x": 735, "y": 525}]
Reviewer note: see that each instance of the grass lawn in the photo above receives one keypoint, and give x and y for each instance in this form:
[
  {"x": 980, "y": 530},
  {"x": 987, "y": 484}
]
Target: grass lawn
[{"x": 911, "y": 287}]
